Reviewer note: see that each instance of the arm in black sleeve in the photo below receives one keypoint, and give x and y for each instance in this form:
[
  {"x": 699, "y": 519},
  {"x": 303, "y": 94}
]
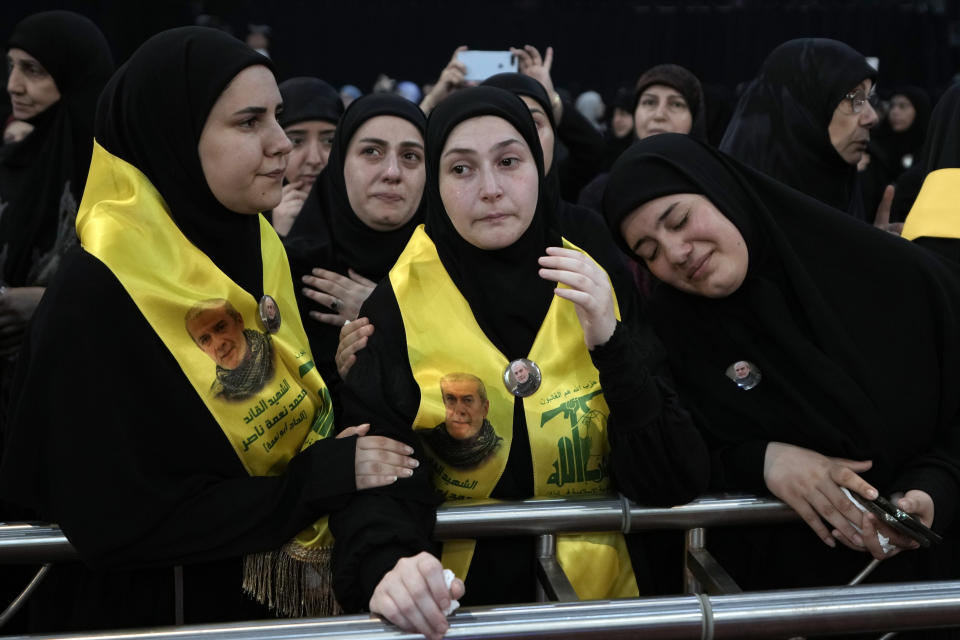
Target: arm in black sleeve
[
  {"x": 116, "y": 446},
  {"x": 380, "y": 526},
  {"x": 656, "y": 453},
  {"x": 585, "y": 146}
]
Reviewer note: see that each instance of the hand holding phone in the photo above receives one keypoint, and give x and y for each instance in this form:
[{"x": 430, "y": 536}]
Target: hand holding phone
[{"x": 483, "y": 64}]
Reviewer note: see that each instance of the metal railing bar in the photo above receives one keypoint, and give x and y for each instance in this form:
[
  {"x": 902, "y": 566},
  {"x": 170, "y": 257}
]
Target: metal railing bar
[
  {"x": 21, "y": 599},
  {"x": 38, "y": 543},
  {"x": 711, "y": 575},
  {"x": 808, "y": 612}
]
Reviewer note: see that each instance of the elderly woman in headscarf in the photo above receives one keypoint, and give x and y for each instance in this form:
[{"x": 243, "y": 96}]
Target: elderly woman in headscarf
[
  {"x": 190, "y": 438},
  {"x": 805, "y": 120},
  {"x": 489, "y": 289},
  {"x": 775, "y": 312},
  {"x": 58, "y": 62}
]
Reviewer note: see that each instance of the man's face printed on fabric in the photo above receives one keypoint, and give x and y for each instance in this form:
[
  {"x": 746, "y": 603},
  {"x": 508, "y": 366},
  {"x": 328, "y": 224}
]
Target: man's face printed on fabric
[
  {"x": 465, "y": 408},
  {"x": 220, "y": 335}
]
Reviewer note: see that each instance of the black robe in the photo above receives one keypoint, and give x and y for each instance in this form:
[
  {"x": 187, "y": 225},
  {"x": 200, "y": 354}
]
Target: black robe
[
  {"x": 814, "y": 313},
  {"x": 656, "y": 454}
]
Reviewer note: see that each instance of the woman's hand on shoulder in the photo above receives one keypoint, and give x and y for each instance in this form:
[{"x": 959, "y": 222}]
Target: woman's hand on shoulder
[
  {"x": 353, "y": 338},
  {"x": 291, "y": 202},
  {"x": 810, "y": 483},
  {"x": 413, "y": 596},
  {"x": 587, "y": 287},
  {"x": 379, "y": 461},
  {"x": 343, "y": 294}
]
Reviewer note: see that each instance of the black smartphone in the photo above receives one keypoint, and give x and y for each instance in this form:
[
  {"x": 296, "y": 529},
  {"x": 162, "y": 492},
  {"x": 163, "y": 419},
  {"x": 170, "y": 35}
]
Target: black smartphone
[{"x": 901, "y": 521}]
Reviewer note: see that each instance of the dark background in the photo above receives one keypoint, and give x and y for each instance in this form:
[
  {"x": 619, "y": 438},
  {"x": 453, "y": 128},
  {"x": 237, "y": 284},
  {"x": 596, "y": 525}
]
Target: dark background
[{"x": 599, "y": 44}]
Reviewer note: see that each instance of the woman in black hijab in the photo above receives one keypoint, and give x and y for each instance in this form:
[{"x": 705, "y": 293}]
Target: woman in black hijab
[
  {"x": 805, "y": 120},
  {"x": 59, "y": 62},
  {"x": 160, "y": 480},
  {"x": 667, "y": 99},
  {"x": 770, "y": 285},
  {"x": 474, "y": 298},
  {"x": 934, "y": 216},
  {"x": 357, "y": 218},
  {"x": 311, "y": 111}
]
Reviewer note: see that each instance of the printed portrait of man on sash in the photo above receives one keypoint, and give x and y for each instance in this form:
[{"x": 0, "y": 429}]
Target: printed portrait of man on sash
[
  {"x": 243, "y": 357},
  {"x": 465, "y": 438}
]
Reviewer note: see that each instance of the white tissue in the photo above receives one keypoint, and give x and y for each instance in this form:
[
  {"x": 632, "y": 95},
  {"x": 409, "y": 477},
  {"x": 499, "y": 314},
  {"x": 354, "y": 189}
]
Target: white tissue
[
  {"x": 448, "y": 580},
  {"x": 884, "y": 540}
]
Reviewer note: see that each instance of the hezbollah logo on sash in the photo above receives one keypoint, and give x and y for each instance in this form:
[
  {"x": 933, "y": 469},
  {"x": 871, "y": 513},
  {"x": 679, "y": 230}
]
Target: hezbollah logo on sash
[
  {"x": 465, "y": 417},
  {"x": 259, "y": 383}
]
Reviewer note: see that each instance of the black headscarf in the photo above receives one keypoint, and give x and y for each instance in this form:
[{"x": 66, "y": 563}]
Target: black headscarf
[
  {"x": 151, "y": 114},
  {"x": 506, "y": 295},
  {"x": 679, "y": 78},
  {"x": 45, "y": 172},
  {"x": 327, "y": 233},
  {"x": 309, "y": 99},
  {"x": 780, "y": 124},
  {"x": 897, "y": 144},
  {"x": 941, "y": 150},
  {"x": 522, "y": 85},
  {"x": 814, "y": 314}
]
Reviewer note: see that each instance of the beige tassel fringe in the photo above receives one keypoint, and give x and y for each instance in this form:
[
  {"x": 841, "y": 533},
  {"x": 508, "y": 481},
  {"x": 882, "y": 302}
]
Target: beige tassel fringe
[{"x": 293, "y": 581}]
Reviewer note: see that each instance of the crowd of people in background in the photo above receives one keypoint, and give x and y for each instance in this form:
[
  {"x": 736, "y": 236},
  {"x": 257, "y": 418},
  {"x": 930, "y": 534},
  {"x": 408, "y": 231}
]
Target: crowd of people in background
[{"x": 472, "y": 289}]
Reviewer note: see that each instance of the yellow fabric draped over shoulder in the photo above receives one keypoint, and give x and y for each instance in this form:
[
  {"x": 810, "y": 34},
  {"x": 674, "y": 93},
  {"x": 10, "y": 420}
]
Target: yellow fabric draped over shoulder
[
  {"x": 936, "y": 211},
  {"x": 566, "y": 416},
  {"x": 268, "y": 398}
]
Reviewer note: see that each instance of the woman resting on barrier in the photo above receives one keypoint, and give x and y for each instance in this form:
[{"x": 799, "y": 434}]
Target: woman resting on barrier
[
  {"x": 817, "y": 355},
  {"x": 168, "y": 411},
  {"x": 499, "y": 355}
]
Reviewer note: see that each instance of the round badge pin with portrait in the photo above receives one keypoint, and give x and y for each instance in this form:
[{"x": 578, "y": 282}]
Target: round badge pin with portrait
[
  {"x": 269, "y": 314},
  {"x": 522, "y": 377},
  {"x": 744, "y": 374}
]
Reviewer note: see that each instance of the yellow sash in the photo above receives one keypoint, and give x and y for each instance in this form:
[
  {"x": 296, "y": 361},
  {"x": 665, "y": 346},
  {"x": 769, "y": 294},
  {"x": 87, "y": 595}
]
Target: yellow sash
[
  {"x": 566, "y": 417},
  {"x": 125, "y": 223},
  {"x": 936, "y": 211}
]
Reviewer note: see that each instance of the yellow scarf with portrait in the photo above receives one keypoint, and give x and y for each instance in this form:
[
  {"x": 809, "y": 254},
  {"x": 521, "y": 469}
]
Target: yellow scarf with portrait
[
  {"x": 566, "y": 416},
  {"x": 271, "y": 404}
]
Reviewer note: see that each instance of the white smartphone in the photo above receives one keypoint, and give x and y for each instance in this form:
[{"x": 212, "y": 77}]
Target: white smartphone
[{"x": 483, "y": 64}]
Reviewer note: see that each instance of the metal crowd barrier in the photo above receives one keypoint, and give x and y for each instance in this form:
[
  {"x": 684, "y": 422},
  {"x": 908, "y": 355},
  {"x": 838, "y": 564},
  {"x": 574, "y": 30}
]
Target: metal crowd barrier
[
  {"x": 725, "y": 614},
  {"x": 767, "y": 614}
]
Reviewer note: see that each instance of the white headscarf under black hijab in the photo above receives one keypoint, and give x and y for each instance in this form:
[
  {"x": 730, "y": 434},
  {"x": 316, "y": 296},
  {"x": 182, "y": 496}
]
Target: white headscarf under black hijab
[{"x": 780, "y": 124}]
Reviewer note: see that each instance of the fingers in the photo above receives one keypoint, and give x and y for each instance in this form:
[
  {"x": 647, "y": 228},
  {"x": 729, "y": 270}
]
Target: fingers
[
  {"x": 871, "y": 526},
  {"x": 328, "y": 282},
  {"x": 534, "y": 55},
  {"x": 882, "y": 218},
  {"x": 548, "y": 59},
  {"x": 385, "y": 444},
  {"x": 379, "y": 461},
  {"x": 844, "y": 476},
  {"x": 359, "y": 279},
  {"x": 412, "y": 596},
  {"x": 359, "y": 430},
  {"x": 456, "y": 52},
  {"x": 353, "y": 338}
]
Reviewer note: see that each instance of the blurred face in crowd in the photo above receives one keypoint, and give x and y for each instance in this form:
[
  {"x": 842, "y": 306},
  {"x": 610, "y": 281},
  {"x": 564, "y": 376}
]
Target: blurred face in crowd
[
  {"x": 849, "y": 128},
  {"x": 243, "y": 150},
  {"x": 31, "y": 88},
  {"x": 687, "y": 243},
  {"x": 488, "y": 182},
  {"x": 622, "y": 122},
  {"x": 312, "y": 141},
  {"x": 384, "y": 171},
  {"x": 544, "y": 130},
  {"x": 902, "y": 113},
  {"x": 661, "y": 109}
]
